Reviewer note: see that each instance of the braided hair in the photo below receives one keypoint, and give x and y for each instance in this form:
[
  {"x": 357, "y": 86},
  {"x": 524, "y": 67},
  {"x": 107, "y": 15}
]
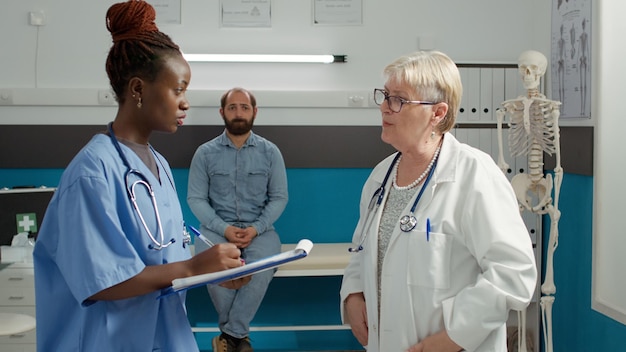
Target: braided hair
[{"x": 139, "y": 48}]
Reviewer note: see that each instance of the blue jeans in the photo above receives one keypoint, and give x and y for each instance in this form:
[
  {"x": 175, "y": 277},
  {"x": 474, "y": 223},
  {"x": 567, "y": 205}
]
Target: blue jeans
[{"x": 236, "y": 308}]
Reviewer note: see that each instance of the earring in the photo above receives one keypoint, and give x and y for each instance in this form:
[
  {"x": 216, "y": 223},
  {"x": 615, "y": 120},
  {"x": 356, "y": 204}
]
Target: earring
[
  {"x": 139, "y": 105},
  {"x": 432, "y": 135}
]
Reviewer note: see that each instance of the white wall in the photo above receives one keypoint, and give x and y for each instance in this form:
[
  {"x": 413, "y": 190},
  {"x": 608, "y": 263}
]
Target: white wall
[
  {"x": 609, "y": 261},
  {"x": 54, "y": 71}
]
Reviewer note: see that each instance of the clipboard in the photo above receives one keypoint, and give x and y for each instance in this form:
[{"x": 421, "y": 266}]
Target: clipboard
[{"x": 303, "y": 248}]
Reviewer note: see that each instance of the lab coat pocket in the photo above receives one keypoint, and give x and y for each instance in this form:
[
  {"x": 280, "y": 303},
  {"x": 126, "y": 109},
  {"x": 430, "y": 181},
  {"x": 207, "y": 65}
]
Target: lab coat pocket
[{"x": 429, "y": 260}]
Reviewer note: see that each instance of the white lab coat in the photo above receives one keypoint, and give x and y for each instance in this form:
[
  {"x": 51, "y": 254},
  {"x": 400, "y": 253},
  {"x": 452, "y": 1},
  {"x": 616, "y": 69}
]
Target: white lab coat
[{"x": 476, "y": 265}]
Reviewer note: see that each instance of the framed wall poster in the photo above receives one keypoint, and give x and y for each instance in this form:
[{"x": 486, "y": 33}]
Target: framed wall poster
[
  {"x": 571, "y": 57},
  {"x": 167, "y": 11},
  {"x": 338, "y": 12},
  {"x": 246, "y": 13}
]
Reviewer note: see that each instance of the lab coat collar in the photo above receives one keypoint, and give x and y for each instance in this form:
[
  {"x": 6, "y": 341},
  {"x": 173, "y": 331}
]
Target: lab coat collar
[
  {"x": 446, "y": 165},
  {"x": 448, "y": 156}
]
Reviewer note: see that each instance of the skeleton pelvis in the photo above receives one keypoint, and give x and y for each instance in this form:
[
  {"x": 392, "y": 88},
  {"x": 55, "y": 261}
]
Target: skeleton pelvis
[{"x": 525, "y": 190}]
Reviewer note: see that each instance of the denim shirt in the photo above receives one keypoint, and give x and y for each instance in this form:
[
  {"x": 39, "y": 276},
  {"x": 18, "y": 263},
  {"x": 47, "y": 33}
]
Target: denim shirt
[{"x": 241, "y": 187}]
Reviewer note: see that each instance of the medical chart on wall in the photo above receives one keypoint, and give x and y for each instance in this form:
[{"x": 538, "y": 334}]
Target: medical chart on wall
[
  {"x": 571, "y": 57},
  {"x": 167, "y": 11},
  {"x": 246, "y": 13},
  {"x": 337, "y": 12}
]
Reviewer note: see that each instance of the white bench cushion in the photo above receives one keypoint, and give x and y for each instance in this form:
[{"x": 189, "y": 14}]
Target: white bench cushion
[{"x": 325, "y": 259}]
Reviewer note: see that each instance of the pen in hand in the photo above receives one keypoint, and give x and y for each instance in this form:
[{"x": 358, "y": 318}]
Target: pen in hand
[
  {"x": 200, "y": 236},
  {"x": 206, "y": 240}
]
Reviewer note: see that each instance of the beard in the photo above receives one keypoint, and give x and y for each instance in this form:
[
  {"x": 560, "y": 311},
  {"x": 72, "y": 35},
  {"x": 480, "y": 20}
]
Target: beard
[{"x": 238, "y": 126}]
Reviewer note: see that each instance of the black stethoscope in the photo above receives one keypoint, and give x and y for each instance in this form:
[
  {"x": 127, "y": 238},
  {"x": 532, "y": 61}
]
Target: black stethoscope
[
  {"x": 130, "y": 189},
  {"x": 407, "y": 222}
]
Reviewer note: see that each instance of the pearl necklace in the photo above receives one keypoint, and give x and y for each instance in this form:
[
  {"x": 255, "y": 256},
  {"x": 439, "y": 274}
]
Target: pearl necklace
[{"x": 420, "y": 178}]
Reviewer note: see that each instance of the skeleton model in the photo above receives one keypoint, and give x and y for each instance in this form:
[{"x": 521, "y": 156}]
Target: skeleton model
[{"x": 533, "y": 130}]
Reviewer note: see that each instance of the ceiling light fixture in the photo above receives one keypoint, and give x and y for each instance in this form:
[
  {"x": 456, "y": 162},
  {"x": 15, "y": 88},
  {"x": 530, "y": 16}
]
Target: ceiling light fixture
[{"x": 322, "y": 59}]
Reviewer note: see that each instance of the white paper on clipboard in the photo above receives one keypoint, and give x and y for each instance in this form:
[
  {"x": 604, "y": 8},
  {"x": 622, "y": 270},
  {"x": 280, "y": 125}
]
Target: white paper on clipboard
[{"x": 303, "y": 248}]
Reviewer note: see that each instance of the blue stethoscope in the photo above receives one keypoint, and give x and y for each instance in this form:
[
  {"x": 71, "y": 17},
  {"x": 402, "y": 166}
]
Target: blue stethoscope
[
  {"x": 407, "y": 222},
  {"x": 130, "y": 189}
]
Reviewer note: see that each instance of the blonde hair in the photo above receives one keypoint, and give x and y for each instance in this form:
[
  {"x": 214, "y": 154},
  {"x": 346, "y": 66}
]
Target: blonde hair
[{"x": 434, "y": 76}]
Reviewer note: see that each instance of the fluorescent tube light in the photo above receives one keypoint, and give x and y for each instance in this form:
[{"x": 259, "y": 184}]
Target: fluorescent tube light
[{"x": 323, "y": 59}]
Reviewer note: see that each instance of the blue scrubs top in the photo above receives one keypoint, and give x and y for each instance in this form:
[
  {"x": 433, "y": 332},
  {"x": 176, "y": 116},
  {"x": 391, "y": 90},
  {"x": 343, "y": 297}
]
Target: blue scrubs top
[{"x": 91, "y": 239}]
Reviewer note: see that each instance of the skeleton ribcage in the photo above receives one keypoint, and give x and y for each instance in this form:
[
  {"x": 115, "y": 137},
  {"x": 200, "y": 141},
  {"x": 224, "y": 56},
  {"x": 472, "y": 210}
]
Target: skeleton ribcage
[{"x": 535, "y": 134}]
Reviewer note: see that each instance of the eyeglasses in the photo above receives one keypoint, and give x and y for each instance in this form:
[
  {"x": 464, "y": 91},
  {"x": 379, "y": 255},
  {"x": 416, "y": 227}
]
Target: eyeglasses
[{"x": 395, "y": 103}]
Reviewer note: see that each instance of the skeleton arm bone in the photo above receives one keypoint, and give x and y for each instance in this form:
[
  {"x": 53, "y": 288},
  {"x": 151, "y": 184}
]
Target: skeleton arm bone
[
  {"x": 501, "y": 162},
  {"x": 558, "y": 170}
]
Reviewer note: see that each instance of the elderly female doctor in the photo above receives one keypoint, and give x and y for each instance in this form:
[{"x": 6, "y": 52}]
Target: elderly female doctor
[{"x": 439, "y": 264}]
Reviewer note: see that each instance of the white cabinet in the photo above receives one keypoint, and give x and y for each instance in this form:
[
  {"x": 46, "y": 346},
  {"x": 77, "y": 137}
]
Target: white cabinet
[
  {"x": 485, "y": 87},
  {"x": 17, "y": 295}
]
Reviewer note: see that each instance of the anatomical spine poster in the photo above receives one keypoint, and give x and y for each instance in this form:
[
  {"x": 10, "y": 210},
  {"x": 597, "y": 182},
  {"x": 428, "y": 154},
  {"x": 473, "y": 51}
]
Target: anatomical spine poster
[{"x": 571, "y": 57}]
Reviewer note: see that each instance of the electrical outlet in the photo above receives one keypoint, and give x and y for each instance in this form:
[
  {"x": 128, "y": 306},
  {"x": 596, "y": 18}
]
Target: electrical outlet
[
  {"x": 370, "y": 100},
  {"x": 6, "y": 97},
  {"x": 356, "y": 99},
  {"x": 106, "y": 97}
]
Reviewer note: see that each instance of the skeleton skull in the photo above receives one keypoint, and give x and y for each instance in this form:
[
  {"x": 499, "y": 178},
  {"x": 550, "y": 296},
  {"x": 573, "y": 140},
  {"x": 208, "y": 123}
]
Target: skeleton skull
[{"x": 532, "y": 66}]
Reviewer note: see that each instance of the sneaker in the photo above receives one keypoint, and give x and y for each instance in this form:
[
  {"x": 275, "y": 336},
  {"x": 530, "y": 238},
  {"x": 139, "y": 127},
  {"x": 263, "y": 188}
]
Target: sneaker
[
  {"x": 244, "y": 345},
  {"x": 221, "y": 344}
]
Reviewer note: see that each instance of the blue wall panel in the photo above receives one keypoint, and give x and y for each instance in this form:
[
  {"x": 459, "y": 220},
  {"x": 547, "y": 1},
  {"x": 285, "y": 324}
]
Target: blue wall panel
[
  {"x": 323, "y": 203},
  {"x": 577, "y": 327},
  {"x": 323, "y": 206}
]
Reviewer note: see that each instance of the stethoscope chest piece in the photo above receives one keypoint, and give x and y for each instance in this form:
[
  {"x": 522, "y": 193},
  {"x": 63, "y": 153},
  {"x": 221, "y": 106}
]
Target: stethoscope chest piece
[{"x": 408, "y": 223}]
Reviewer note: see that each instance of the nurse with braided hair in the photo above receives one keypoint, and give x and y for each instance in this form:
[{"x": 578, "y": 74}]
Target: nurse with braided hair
[{"x": 112, "y": 239}]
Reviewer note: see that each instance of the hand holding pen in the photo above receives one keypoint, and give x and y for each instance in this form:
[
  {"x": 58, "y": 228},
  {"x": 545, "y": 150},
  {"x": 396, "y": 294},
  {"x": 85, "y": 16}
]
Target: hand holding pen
[
  {"x": 201, "y": 236},
  {"x": 223, "y": 253},
  {"x": 206, "y": 240}
]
